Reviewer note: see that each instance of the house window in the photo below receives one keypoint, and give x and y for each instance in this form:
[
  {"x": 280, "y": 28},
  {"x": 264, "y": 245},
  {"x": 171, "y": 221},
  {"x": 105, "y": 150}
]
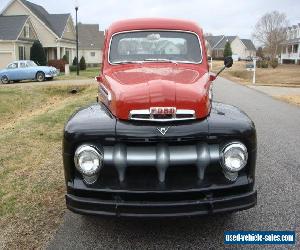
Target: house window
[
  {"x": 295, "y": 48},
  {"x": 26, "y": 31},
  {"x": 93, "y": 54},
  {"x": 21, "y": 53}
]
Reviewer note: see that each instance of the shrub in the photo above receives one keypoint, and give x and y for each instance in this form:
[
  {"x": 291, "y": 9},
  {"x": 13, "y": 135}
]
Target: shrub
[
  {"x": 82, "y": 64},
  {"x": 262, "y": 64},
  {"x": 273, "y": 63},
  {"x": 73, "y": 68},
  {"x": 37, "y": 54},
  {"x": 227, "y": 50},
  {"x": 66, "y": 59},
  {"x": 59, "y": 64},
  {"x": 74, "y": 63}
]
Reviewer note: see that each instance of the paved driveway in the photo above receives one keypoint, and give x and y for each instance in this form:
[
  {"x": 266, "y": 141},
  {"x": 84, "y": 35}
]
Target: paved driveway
[
  {"x": 277, "y": 91},
  {"x": 278, "y": 185}
]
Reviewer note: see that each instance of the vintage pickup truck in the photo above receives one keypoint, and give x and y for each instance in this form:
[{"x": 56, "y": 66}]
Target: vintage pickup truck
[{"x": 155, "y": 144}]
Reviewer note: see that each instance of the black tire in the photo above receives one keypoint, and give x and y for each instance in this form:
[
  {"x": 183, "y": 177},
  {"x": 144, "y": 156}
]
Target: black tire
[
  {"x": 40, "y": 76},
  {"x": 4, "y": 80}
]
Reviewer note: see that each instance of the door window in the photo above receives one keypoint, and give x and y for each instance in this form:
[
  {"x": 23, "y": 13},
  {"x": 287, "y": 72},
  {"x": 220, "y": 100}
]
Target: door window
[{"x": 12, "y": 66}]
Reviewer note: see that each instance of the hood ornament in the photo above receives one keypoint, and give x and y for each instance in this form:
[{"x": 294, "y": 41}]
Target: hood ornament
[{"x": 163, "y": 131}]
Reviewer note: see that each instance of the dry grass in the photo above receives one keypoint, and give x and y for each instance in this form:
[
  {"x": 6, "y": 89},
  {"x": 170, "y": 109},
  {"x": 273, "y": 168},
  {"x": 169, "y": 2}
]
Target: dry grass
[
  {"x": 293, "y": 99},
  {"x": 31, "y": 171},
  {"x": 283, "y": 75}
]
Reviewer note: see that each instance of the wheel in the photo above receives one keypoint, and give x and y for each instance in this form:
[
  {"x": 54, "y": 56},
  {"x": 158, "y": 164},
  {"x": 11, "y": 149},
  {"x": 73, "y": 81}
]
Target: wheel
[
  {"x": 40, "y": 76},
  {"x": 4, "y": 79}
]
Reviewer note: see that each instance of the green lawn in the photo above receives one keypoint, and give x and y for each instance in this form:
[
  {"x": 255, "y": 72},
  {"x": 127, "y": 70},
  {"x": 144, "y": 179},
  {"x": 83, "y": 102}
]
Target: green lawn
[{"x": 31, "y": 170}]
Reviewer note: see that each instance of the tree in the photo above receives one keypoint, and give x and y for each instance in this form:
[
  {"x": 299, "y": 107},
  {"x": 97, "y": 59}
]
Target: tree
[
  {"x": 270, "y": 31},
  {"x": 227, "y": 50},
  {"x": 259, "y": 52},
  {"x": 37, "y": 54},
  {"x": 82, "y": 64},
  {"x": 74, "y": 63},
  {"x": 66, "y": 59}
]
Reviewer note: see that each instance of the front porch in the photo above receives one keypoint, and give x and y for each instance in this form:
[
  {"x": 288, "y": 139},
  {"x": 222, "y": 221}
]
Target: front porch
[
  {"x": 56, "y": 53},
  {"x": 290, "y": 53}
]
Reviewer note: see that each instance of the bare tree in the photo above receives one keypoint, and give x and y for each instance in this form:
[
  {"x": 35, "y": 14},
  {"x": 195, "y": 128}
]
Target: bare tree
[{"x": 270, "y": 31}]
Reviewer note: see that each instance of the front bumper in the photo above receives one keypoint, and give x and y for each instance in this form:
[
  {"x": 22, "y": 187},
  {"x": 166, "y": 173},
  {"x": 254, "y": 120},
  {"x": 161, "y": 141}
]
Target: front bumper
[
  {"x": 51, "y": 75},
  {"x": 93, "y": 206}
]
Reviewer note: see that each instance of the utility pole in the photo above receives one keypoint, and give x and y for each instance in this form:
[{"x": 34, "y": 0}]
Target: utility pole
[
  {"x": 254, "y": 71},
  {"x": 77, "y": 63}
]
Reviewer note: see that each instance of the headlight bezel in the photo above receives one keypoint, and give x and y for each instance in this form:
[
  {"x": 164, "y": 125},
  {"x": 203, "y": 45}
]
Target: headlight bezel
[
  {"x": 230, "y": 146},
  {"x": 88, "y": 148}
]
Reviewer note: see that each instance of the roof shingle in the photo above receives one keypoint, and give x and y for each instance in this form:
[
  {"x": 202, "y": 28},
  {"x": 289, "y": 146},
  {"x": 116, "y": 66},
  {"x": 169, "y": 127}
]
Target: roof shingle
[
  {"x": 90, "y": 37},
  {"x": 56, "y": 22},
  {"x": 249, "y": 44},
  {"x": 11, "y": 26}
]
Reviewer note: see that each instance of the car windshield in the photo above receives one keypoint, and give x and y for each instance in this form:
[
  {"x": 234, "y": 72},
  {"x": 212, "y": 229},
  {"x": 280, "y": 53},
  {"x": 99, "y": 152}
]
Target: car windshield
[
  {"x": 31, "y": 64},
  {"x": 158, "y": 46}
]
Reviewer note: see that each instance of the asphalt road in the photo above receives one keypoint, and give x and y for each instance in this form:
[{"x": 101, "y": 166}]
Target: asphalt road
[{"x": 277, "y": 182}]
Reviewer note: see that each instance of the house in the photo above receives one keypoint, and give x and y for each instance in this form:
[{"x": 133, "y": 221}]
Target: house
[
  {"x": 16, "y": 38},
  {"x": 90, "y": 43},
  {"x": 243, "y": 48},
  {"x": 56, "y": 32},
  {"x": 291, "y": 48}
]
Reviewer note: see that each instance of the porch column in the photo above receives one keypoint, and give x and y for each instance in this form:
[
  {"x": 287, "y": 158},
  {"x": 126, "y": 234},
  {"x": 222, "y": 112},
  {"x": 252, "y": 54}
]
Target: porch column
[
  {"x": 57, "y": 52},
  {"x": 63, "y": 51}
]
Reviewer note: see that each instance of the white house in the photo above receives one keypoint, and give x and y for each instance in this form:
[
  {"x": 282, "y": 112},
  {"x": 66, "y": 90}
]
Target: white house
[
  {"x": 243, "y": 48},
  {"x": 56, "y": 32},
  {"x": 291, "y": 48},
  {"x": 90, "y": 43}
]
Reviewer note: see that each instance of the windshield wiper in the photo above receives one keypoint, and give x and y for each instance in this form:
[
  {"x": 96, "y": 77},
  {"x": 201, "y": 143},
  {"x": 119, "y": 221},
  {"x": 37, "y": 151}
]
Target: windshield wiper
[{"x": 160, "y": 60}]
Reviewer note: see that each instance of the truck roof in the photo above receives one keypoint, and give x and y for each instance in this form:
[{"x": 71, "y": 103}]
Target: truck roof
[{"x": 153, "y": 23}]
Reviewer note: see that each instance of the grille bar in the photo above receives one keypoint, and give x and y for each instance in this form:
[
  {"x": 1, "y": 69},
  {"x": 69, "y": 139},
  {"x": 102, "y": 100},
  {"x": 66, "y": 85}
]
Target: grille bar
[
  {"x": 146, "y": 115},
  {"x": 161, "y": 156}
]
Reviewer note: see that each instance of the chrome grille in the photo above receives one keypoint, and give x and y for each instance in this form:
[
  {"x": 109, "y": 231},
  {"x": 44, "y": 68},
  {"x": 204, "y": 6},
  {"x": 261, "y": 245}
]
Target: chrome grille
[{"x": 146, "y": 115}]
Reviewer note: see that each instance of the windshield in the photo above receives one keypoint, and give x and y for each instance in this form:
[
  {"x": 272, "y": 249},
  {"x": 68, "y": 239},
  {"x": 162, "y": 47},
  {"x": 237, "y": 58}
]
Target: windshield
[
  {"x": 161, "y": 46},
  {"x": 31, "y": 64}
]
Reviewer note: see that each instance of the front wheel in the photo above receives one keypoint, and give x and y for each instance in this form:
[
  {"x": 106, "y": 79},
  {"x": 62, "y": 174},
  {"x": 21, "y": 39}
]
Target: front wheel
[
  {"x": 4, "y": 80},
  {"x": 40, "y": 77}
]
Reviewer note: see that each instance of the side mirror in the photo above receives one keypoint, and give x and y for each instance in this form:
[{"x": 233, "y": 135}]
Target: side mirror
[{"x": 228, "y": 62}]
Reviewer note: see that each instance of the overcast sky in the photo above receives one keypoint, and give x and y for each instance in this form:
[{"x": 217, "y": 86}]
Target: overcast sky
[{"x": 231, "y": 17}]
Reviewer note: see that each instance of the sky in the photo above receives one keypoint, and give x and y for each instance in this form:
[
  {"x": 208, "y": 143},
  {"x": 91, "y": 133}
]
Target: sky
[{"x": 219, "y": 17}]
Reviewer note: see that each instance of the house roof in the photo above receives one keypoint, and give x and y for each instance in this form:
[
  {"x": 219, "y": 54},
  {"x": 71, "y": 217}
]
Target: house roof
[
  {"x": 221, "y": 44},
  {"x": 249, "y": 44},
  {"x": 213, "y": 40},
  {"x": 11, "y": 26},
  {"x": 90, "y": 37},
  {"x": 56, "y": 22}
]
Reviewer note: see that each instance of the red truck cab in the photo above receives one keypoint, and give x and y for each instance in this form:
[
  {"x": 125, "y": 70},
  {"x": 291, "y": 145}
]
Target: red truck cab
[{"x": 159, "y": 74}]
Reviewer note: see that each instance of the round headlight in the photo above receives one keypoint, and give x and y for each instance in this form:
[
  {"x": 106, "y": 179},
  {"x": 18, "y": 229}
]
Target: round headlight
[
  {"x": 88, "y": 160},
  {"x": 234, "y": 157}
]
